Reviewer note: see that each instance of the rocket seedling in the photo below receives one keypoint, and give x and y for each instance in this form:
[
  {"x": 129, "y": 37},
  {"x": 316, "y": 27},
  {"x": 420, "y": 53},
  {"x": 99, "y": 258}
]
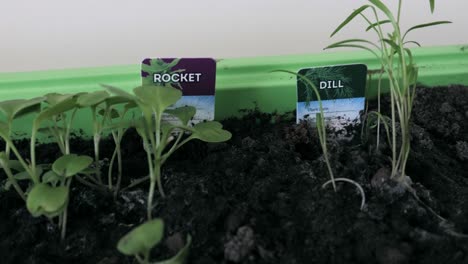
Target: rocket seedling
[
  {"x": 113, "y": 115},
  {"x": 139, "y": 242},
  {"x": 153, "y": 102},
  {"x": 57, "y": 115},
  {"x": 52, "y": 200},
  {"x": 13, "y": 109},
  {"x": 93, "y": 100}
]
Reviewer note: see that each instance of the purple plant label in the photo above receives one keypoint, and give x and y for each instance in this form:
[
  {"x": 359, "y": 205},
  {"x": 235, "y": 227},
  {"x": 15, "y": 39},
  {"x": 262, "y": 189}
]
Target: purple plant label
[
  {"x": 195, "y": 77},
  {"x": 341, "y": 89}
]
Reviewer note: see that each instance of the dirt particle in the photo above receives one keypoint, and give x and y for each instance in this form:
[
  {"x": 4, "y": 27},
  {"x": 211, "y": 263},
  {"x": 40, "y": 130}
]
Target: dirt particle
[
  {"x": 239, "y": 247},
  {"x": 391, "y": 255},
  {"x": 248, "y": 143},
  {"x": 446, "y": 108},
  {"x": 175, "y": 242},
  {"x": 462, "y": 150},
  {"x": 380, "y": 177}
]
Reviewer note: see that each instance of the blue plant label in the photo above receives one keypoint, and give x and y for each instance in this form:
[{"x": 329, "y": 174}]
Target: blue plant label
[
  {"x": 341, "y": 89},
  {"x": 195, "y": 77}
]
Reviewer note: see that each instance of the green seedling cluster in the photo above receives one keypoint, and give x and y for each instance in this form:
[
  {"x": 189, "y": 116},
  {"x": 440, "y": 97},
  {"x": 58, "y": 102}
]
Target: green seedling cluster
[
  {"x": 48, "y": 188},
  {"x": 158, "y": 135},
  {"x": 397, "y": 63},
  {"x": 45, "y": 188}
]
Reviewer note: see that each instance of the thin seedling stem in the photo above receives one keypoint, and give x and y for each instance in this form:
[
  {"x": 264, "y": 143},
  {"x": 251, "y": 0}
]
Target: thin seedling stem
[{"x": 359, "y": 187}]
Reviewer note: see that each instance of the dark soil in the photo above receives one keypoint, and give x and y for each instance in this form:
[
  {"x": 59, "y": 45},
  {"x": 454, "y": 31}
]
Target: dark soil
[{"x": 258, "y": 198}]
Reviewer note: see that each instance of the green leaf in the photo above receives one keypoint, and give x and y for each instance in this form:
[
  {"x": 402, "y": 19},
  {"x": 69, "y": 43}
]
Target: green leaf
[
  {"x": 60, "y": 107},
  {"x": 380, "y": 5},
  {"x": 432, "y": 3},
  {"x": 426, "y": 25},
  {"x": 51, "y": 177},
  {"x": 333, "y": 46},
  {"x": 378, "y": 24},
  {"x": 181, "y": 256},
  {"x": 71, "y": 164},
  {"x": 24, "y": 175},
  {"x": 12, "y": 164},
  {"x": 394, "y": 46},
  {"x": 352, "y": 41},
  {"x": 21, "y": 176},
  {"x": 167, "y": 127},
  {"x": 210, "y": 131},
  {"x": 119, "y": 92},
  {"x": 113, "y": 113},
  {"x": 142, "y": 238},
  {"x": 157, "y": 98},
  {"x": 20, "y": 107},
  {"x": 184, "y": 114},
  {"x": 4, "y": 131},
  {"x": 130, "y": 105},
  {"x": 350, "y": 17},
  {"x": 92, "y": 99},
  {"x": 46, "y": 200},
  {"x": 413, "y": 42},
  {"x": 115, "y": 100},
  {"x": 412, "y": 73},
  {"x": 55, "y": 98}
]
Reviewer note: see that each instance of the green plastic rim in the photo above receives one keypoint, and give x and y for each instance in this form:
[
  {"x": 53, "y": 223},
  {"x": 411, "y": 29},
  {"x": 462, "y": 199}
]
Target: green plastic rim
[{"x": 240, "y": 83}]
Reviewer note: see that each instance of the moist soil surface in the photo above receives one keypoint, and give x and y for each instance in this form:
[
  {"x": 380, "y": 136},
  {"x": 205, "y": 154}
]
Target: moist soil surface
[{"x": 258, "y": 198}]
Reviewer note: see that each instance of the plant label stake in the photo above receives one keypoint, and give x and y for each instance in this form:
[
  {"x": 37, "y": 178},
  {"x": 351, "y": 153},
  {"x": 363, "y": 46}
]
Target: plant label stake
[
  {"x": 341, "y": 89},
  {"x": 195, "y": 77}
]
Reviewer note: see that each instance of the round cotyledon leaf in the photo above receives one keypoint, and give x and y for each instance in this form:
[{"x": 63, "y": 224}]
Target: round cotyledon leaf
[
  {"x": 184, "y": 114},
  {"x": 46, "y": 200},
  {"x": 71, "y": 164},
  {"x": 51, "y": 177},
  {"x": 19, "y": 107},
  {"x": 92, "y": 99},
  {"x": 211, "y": 131},
  {"x": 59, "y": 105},
  {"x": 119, "y": 92},
  {"x": 111, "y": 113},
  {"x": 142, "y": 238},
  {"x": 55, "y": 98},
  {"x": 157, "y": 98}
]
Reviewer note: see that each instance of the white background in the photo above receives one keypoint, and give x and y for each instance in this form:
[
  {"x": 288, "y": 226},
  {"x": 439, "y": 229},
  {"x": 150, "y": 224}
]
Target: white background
[{"x": 54, "y": 34}]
